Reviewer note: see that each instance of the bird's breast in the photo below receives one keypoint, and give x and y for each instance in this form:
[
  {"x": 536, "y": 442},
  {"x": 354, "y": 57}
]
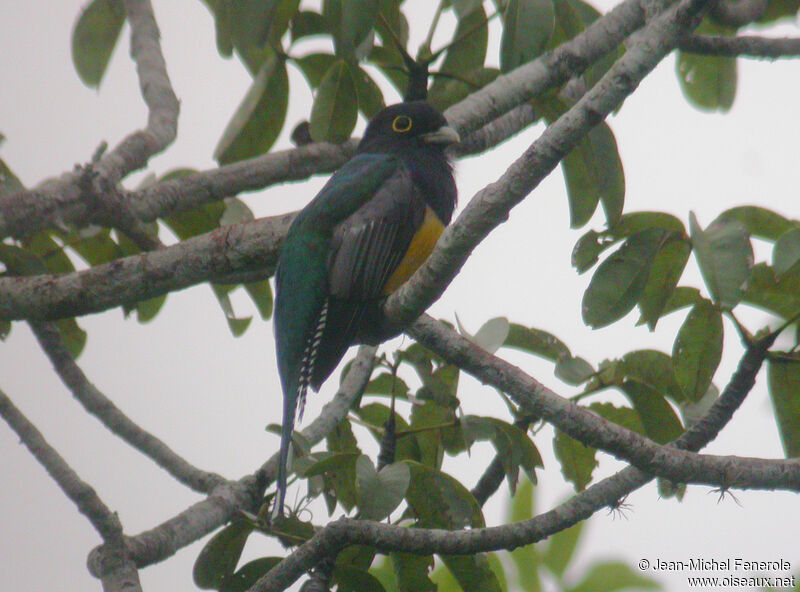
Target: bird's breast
[{"x": 421, "y": 245}]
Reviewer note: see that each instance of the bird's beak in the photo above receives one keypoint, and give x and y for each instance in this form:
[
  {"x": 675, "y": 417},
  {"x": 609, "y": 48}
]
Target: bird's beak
[{"x": 445, "y": 135}]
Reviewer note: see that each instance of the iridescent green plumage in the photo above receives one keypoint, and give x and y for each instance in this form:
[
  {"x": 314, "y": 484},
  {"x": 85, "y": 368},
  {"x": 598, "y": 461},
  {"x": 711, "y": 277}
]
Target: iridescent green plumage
[{"x": 343, "y": 248}]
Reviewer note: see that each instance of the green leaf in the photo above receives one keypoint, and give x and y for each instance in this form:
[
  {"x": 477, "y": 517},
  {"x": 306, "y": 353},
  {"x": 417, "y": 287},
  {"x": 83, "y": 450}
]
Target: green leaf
[
  {"x": 72, "y": 335},
  {"x": 681, "y": 297},
  {"x": 612, "y": 576},
  {"x": 620, "y": 280},
  {"x": 698, "y": 349},
  {"x": 5, "y": 329},
  {"x": 709, "y": 82},
  {"x": 94, "y": 37},
  {"x": 237, "y": 325},
  {"x": 217, "y": 561},
  {"x": 256, "y": 22},
  {"x": 784, "y": 378},
  {"x": 352, "y": 579},
  {"x": 259, "y": 118},
  {"x": 465, "y": 55},
  {"x": 653, "y": 368},
  {"x": 474, "y": 573},
  {"x": 307, "y": 23},
  {"x": 350, "y": 22},
  {"x": 249, "y": 574},
  {"x": 526, "y": 559},
  {"x": 725, "y": 257},
  {"x": 9, "y": 182},
  {"x": 574, "y": 371},
  {"x": 537, "y": 342},
  {"x": 561, "y": 547},
  {"x": 146, "y": 310},
  {"x": 440, "y": 501},
  {"x": 665, "y": 272},
  {"x": 577, "y": 461},
  {"x": 778, "y": 295},
  {"x": 343, "y": 481},
  {"x": 467, "y": 49},
  {"x": 592, "y": 170},
  {"x": 380, "y": 492},
  {"x": 334, "y": 112},
  {"x": 777, "y": 9},
  {"x": 759, "y": 222},
  {"x": 659, "y": 420},
  {"x": 412, "y": 572},
  {"x": 314, "y": 66},
  {"x": 527, "y": 27},
  {"x": 787, "y": 251},
  {"x": 452, "y": 90},
  {"x": 368, "y": 93},
  {"x": 261, "y": 295},
  {"x": 464, "y": 7}
]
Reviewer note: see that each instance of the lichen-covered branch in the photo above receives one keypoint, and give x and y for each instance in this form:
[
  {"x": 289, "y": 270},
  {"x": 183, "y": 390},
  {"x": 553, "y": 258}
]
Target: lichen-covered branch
[{"x": 770, "y": 48}]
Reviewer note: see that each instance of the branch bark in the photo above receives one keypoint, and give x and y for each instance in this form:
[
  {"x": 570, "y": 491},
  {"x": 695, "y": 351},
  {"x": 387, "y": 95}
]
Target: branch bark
[
  {"x": 115, "y": 420},
  {"x": 744, "y": 45},
  {"x": 226, "y": 500}
]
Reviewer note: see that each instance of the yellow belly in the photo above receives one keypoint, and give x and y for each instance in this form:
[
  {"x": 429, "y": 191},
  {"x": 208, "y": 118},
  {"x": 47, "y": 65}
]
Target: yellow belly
[{"x": 421, "y": 246}]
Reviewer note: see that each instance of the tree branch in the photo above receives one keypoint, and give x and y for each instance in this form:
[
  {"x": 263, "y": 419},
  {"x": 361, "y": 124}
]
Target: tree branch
[
  {"x": 737, "y": 13},
  {"x": 64, "y": 200},
  {"x": 581, "y": 506},
  {"x": 744, "y": 45},
  {"x": 676, "y": 465},
  {"x": 122, "y": 573},
  {"x": 226, "y": 500},
  {"x": 109, "y": 414},
  {"x": 237, "y": 248},
  {"x": 491, "y": 205}
]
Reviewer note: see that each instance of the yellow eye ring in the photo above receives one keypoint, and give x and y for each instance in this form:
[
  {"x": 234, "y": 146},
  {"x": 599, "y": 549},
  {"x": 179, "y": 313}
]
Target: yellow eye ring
[{"x": 401, "y": 124}]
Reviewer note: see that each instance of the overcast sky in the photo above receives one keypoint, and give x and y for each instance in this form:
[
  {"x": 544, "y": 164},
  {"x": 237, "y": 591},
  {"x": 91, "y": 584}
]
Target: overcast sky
[{"x": 209, "y": 396}]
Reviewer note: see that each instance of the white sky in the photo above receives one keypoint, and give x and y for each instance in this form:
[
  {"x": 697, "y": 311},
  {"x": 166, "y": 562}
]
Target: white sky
[{"x": 209, "y": 396}]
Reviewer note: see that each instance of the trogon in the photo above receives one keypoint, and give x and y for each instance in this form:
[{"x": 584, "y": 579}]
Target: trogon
[{"x": 365, "y": 233}]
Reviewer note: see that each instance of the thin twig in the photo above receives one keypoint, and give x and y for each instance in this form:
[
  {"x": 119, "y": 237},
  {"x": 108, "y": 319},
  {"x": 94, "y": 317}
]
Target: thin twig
[{"x": 115, "y": 420}]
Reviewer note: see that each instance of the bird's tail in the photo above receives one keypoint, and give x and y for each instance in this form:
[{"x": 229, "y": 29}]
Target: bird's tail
[{"x": 287, "y": 428}]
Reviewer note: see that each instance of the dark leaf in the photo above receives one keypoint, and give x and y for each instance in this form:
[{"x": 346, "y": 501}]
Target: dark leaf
[
  {"x": 787, "y": 251},
  {"x": 352, "y": 579},
  {"x": 725, "y": 257},
  {"x": 368, "y": 93},
  {"x": 259, "y": 118},
  {"x": 9, "y": 183},
  {"x": 314, "y": 66},
  {"x": 653, "y": 368},
  {"x": 94, "y": 38},
  {"x": 351, "y": 23},
  {"x": 527, "y": 27},
  {"x": 577, "y": 461},
  {"x": 306, "y": 23},
  {"x": 698, "y": 349},
  {"x": 537, "y": 342},
  {"x": 659, "y": 420},
  {"x": 784, "y": 378},
  {"x": 665, "y": 272},
  {"x": 440, "y": 501},
  {"x": 334, "y": 113},
  {"x": 709, "y": 82},
  {"x": 411, "y": 572},
  {"x": 217, "y": 561},
  {"x": 778, "y": 295},
  {"x": 613, "y": 576},
  {"x": 249, "y": 573},
  {"x": 759, "y": 222},
  {"x": 619, "y": 281}
]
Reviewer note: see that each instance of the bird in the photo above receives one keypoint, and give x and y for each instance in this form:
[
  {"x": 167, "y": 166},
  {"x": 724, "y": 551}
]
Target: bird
[{"x": 369, "y": 228}]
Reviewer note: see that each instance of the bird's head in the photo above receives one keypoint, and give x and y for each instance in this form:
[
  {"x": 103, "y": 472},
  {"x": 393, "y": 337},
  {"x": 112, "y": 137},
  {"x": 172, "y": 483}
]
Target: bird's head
[{"x": 404, "y": 125}]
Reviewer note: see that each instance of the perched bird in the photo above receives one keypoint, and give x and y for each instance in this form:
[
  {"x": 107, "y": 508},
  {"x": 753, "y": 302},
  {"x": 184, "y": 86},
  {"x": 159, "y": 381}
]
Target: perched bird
[{"x": 365, "y": 233}]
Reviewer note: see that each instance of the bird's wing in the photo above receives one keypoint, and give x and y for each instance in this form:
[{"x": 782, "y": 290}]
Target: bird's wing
[{"x": 366, "y": 249}]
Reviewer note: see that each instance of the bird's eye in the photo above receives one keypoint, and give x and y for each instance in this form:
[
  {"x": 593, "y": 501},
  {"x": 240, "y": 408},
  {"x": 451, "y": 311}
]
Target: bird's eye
[{"x": 401, "y": 123}]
